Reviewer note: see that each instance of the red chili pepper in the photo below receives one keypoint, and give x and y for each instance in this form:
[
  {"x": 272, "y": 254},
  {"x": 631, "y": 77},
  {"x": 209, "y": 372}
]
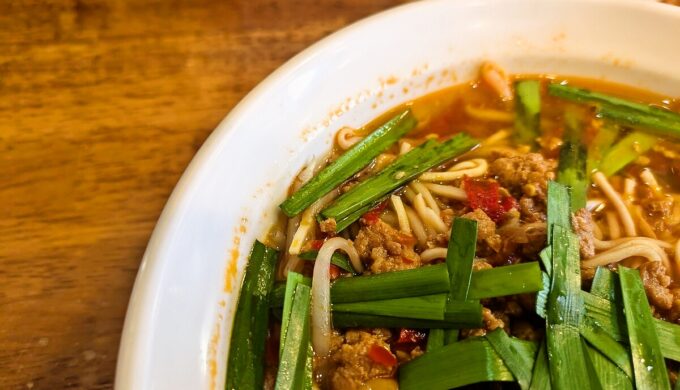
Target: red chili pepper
[
  {"x": 371, "y": 217},
  {"x": 316, "y": 244},
  {"x": 407, "y": 260},
  {"x": 334, "y": 271},
  {"x": 410, "y": 337},
  {"x": 485, "y": 195},
  {"x": 406, "y": 239},
  {"x": 382, "y": 356}
]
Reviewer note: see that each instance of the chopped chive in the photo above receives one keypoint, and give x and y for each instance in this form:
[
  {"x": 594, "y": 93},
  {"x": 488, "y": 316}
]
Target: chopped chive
[
  {"x": 518, "y": 355},
  {"x": 338, "y": 259},
  {"x": 527, "y": 111},
  {"x": 568, "y": 369},
  {"x": 402, "y": 170},
  {"x": 593, "y": 379},
  {"x": 460, "y": 256},
  {"x": 605, "y": 284},
  {"x": 540, "y": 376},
  {"x": 571, "y": 171},
  {"x": 249, "y": 331},
  {"x": 432, "y": 279},
  {"x": 558, "y": 207},
  {"x": 546, "y": 259},
  {"x": 600, "y": 146},
  {"x": 607, "y": 372},
  {"x": 669, "y": 337},
  {"x": 506, "y": 280},
  {"x": 349, "y": 163},
  {"x": 582, "y": 95},
  {"x": 627, "y": 150},
  {"x": 648, "y": 363},
  {"x": 656, "y": 124},
  {"x": 355, "y": 320},
  {"x": 474, "y": 360},
  {"x": 293, "y": 279},
  {"x": 606, "y": 344},
  {"x": 542, "y": 296},
  {"x": 435, "y": 340},
  {"x": 451, "y": 336},
  {"x": 606, "y": 314},
  {"x": 466, "y": 313},
  {"x": 291, "y": 374},
  {"x": 427, "y": 307}
]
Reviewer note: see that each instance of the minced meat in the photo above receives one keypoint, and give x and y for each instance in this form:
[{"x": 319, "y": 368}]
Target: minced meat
[
  {"x": 385, "y": 248},
  {"x": 582, "y": 222},
  {"x": 486, "y": 229},
  {"x": 349, "y": 357},
  {"x": 524, "y": 174},
  {"x": 656, "y": 282}
]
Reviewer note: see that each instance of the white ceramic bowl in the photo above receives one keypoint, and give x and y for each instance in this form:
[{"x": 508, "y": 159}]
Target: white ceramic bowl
[{"x": 178, "y": 323}]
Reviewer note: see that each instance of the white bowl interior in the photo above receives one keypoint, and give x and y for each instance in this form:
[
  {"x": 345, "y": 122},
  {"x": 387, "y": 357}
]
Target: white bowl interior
[{"x": 179, "y": 319}]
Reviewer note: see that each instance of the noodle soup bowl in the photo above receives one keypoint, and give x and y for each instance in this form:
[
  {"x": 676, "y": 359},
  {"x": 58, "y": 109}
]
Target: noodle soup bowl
[{"x": 179, "y": 319}]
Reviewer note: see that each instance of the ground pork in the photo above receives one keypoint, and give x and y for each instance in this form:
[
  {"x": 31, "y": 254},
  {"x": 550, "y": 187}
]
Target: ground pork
[
  {"x": 490, "y": 321},
  {"x": 385, "y": 248},
  {"x": 328, "y": 225},
  {"x": 656, "y": 282},
  {"x": 658, "y": 210},
  {"x": 486, "y": 230},
  {"x": 349, "y": 358},
  {"x": 582, "y": 222},
  {"x": 524, "y": 174},
  {"x": 531, "y": 210}
]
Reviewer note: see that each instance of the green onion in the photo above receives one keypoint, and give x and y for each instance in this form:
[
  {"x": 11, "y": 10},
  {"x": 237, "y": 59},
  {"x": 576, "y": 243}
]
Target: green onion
[
  {"x": 466, "y": 313},
  {"x": 572, "y": 167},
  {"x": 607, "y": 372},
  {"x": 293, "y": 279},
  {"x": 527, "y": 111},
  {"x": 355, "y": 320},
  {"x": 558, "y": 208},
  {"x": 432, "y": 279},
  {"x": 568, "y": 368},
  {"x": 587, "y": 96},
  {"x": 600, "y": 146},
  {"x": 653, "y": 123},
  {"x": 627, "y": 150},
  {"x": 518, "y": 355},
  {"x": 540, "y": 376},
  {"x": 460, "y": 256},
  {"x": 451, "y": 336},
  {"x": 402, "y": 170},
  {"x": 455, "y": 365},
  {"x": 609, "y": 347},
  {"x": 546, "y": 259},
  {"x": 648, "y": 363},
  {"x": 669, "y": 337},
  {"x": 593, "y": 379},
  {"x": 246, "y": 349},
  {"x": 291, "y": 374},
  {"x": 338, "y": 259},
  {"x": 349, "y": 163},
  {"x": 507, "y": 280},
  {"x": 435, "y": 340}
]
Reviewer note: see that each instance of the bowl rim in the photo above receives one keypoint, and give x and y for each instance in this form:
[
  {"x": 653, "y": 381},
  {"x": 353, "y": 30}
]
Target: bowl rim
[{"x": 147, "y": 281}]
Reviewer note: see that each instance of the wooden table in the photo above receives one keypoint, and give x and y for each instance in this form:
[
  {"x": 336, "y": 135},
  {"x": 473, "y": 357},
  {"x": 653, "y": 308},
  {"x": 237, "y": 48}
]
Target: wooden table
[{"x": 102, "y": 105}]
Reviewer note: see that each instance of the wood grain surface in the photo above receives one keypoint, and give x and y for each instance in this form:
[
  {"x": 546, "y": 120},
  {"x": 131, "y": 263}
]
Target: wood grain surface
[{"x": 102, "y": 105}]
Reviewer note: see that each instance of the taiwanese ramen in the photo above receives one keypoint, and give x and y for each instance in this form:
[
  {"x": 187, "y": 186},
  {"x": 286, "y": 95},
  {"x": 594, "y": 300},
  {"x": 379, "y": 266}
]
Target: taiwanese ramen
[{"x": 515, "y": 231}]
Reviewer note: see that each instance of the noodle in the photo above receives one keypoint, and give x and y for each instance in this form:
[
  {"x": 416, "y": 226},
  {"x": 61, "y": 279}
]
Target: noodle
[
  {"x": 449, "y": 192},
  {"x": 429, "y": 199},
  {"x": 428, "y": 215},
  {"x": 649, "y": 251},
  {"x": 645, "y": 228},
  {"x": 619, "y": 205},
  {"x": 321, "y": 291},
  {"x": 496, "y": 78},
  {"x": 433, "y": 254},
  {"x": 489, "y": 115},
  {"x": 399, "y": 209},
  {"x": 603, "y": 245},
  {"x": 347, "y": 137},
  {"x": 597, "y": 231},
  {"x": 416, "y": 225},
  {"x": 405, "y": 147},
  {"x": 471, "y": 168},
  {"x": 613, "y": 225},
  {"x": 308, "y": 222}
]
